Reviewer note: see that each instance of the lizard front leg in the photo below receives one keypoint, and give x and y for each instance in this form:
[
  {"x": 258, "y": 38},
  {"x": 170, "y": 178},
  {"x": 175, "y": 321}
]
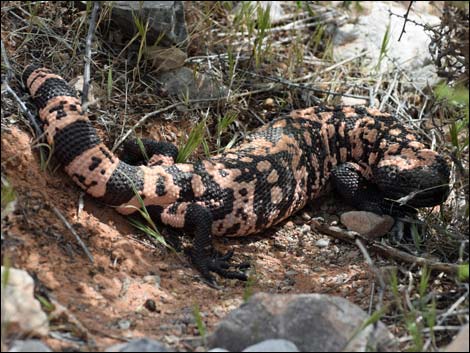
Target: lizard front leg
[{"x": 351, "y": 183}]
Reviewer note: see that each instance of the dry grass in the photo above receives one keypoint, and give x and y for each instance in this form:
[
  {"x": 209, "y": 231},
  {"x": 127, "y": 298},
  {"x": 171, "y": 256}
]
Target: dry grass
[{"x": 269, "y": 69}]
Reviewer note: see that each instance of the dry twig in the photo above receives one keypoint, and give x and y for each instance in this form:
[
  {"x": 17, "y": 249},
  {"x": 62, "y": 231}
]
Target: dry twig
[
  {"x": 86, "y": 74},
  {"x": 69, "y": 227},
  {"x": 386, "y": 250}
]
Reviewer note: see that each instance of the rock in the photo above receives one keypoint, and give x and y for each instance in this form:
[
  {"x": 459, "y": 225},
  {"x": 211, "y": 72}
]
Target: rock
[
  {"x": 139, "y": 345},
  {"x": 165, "y": 59},
  {"x": 269, "y": 103},
  {"x": 124, "y": 324},
  {"x": 150, "y": 305},
  {"x": 366, "y": 223},
  {"x": 154, "y": 280},
  {"x": 77, "y": 83},
  {"x": 460, "y": 342},
  {"x": 29, "y": 346},
  {"x": 313, "y": 322},
  {"x": 21, "y": 311},
  {"x": 305, "y": 229},
  {"x": 273, "y": 346},
  {"x": 366, "y": 32},
  {"x": 218, "y": 350},
  {"x": 322, "y": 243},
  {"x": 186, "y": 84},
  {"x": 165, "y": 19}
]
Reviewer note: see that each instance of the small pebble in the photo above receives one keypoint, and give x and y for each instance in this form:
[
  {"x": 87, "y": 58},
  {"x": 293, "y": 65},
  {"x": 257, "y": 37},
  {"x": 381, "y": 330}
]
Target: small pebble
[
  {"x": 153, "y": 280},
  {"x": 269, "y": 103},
  {"x": 124, "y": 324},
  {"x": 322, "y": 243},
  {"x": 305, "y": 229},
  {"x": 150, "y": 305}
]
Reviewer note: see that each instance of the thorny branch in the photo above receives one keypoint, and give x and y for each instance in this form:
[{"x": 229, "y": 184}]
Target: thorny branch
[{"x": 406, "y": 20}]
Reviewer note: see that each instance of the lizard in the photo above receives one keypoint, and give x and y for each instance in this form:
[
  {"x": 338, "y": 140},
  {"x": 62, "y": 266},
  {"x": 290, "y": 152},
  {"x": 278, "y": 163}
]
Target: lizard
[{"x": 365, "y": 154}]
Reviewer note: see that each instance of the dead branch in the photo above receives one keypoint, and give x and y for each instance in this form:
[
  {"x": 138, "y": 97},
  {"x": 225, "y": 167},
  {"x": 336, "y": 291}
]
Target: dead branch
[
  {"x": 386, "y": 250},
  {"x": 86, "y": 74}
]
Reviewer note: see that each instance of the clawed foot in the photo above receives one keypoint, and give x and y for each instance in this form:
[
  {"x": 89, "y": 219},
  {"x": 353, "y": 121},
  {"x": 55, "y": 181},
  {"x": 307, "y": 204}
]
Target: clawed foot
[{"x": 221, "y": 265}]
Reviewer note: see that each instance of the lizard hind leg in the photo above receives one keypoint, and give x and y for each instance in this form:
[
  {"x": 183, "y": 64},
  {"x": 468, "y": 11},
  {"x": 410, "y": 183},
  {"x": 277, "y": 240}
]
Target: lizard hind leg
[
  {"x": 199, "y": 221},
  {"x": 196, "y": 220},
  {"x": 149, "y": 152}
]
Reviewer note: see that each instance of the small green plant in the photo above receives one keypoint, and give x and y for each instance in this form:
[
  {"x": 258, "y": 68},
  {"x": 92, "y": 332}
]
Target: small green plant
[
  {"x": 142, "y": 149},
  {"x": 458, "y": 99},
  {"x": 416, "y": 237},
  {"x": 463, "y": 272},
  {"x": 414, "y": 328},
  {"x": 321, "y": 43},
  {"x": 46, "y": 304},
  {"x": 306, "y": 5},
  {"x": 430, "y": 317},
  {"x": 196, "y": 137},
  {"x": 150, "y": 229},
  {"x": 44, "y": 161},
  {"x": 243, "y": 20},
  {"x": 263, "y": 24},
  {"x": 374, "y": 318},
  {"x": 109, "y": 85},
  {"x": 384, "y": 47},
  {"x": 251, "y": 21},
  {"x": 232, "y": 62},
  {"x": 418, "y": 315},
  {"x": 142, "y": 29},
  {"x": 423, "y": 286},
  {"x": 249, "y": 287},
  {"x": 222, "y": 125},
  {"x": 201, "y": 327}
]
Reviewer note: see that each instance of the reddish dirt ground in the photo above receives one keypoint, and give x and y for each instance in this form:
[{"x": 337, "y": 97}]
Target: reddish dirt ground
[{"x": 108, "y": 297}]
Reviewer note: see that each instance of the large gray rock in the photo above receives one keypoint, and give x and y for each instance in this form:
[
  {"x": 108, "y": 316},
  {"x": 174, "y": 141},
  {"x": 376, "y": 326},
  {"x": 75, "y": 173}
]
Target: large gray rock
[
  {"x": 139, "y": 345},
  {"x": 366, "y": 32},
  {"x": 166, "y": 19},
  {"x": 313, "y": 322},
  {"x": 29, "y": 346},
  {"x": 273, "y": 346},
  {"x": 22, "y": 313}
]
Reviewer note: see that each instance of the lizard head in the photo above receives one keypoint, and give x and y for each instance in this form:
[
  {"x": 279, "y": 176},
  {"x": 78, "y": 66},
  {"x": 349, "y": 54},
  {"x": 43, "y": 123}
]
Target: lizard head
[{"x": 420, "y": 178}]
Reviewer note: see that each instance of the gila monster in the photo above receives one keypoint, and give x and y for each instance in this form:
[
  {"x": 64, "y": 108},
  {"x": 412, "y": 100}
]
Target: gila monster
[{"x": 367, "y": 155}]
